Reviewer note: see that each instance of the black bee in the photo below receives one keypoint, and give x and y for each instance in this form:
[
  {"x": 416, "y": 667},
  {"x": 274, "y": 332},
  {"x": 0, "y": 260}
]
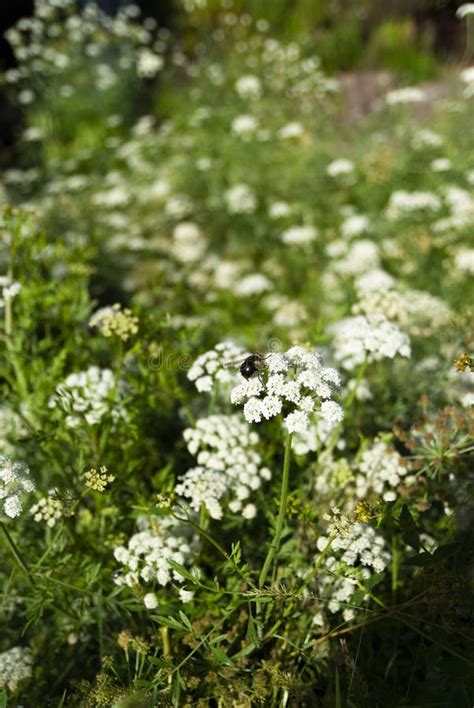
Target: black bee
[{"x": 253, "y": 364}]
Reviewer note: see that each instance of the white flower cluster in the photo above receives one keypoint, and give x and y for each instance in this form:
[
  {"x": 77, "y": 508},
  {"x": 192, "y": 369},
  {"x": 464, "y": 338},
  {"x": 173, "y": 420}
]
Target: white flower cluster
[
  {"x": 15, "y": 480},
  {"x": 285, "y": 312},
  {"x": 350, "y": 559},
  {"x": 48, "y": 509},
  {"x": 353, "y": 258},
  {"x": 408, "y": 94},
  {"x": 372, "y": 337},
  {"x": 228, "y": 466},
  {"x": 464, "y": 260},
  {"x": 147, "y": 555},
  {"x": 209, "y": 368},
  {"x": 380, "y": 469},
  {"x": 11, "y": 428},
  {"x": 248, "y": 86},
  {"x": 418, "y": 312},
  {"x": 312, "y": 439},
  {"x": 461, "y": 386},
  {"x": 252, "y": 284},
  {"x": 178, "y": 206},
  {"x": 16, "y": 665},
  {"x": 148, "y": 63},
  {"x": 426, "y": 138},
  {"x": 299, "y": 235},
  {"x": 188, "y": 243},
  {"x": 340, "y": 168},
  {"x": 240, "y": 199},
  {"x": 278, "y": 210},
  {"x": 441, "y": 164},
  {"x": 291, "y": 130},
  {"x": 403, "y": 203},
  {"x": 89, "y": 395},
  {"x": 295, "y": 381},
  {"x": 50, "y": 43},
  {"x": 374, "y": 281},
  {"x": 9, "y": 288},
  {"x": 244, "y": 125},
  {"x": 461, "y": 207},
  {"x": 467, "y": 77},
  {"x": 332, "y": 476},
  {"x": 355, "y": 225}
]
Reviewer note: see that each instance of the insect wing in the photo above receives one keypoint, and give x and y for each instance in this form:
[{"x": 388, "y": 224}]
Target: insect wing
[{"x": 236, "y": 362}]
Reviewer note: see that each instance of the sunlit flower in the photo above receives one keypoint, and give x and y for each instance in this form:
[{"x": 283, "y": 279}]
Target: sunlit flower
[
  {"x": 15, "y": 481},
  {"x": 229, "y": 466},
  {"x": 16, "y": 665},
  {"x": 240, "y": 199},
  {"x": 49, "y": 509},
  {"x": 373, "y": 338},
  {"x": 409, "y": 94},
  {"x": 88, "y": 396},
  {"x": 146, "y": 557},
  {"x": 295, "y": 383},
  {"x": 340, "y": 168},
  {"x": 299, "y": 235},
  {"x": 149, "y": 63}
]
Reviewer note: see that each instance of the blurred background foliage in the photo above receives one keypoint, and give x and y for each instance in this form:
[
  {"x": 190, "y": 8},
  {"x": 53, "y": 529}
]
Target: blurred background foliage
[
  {"x": 412, "y": 39},
  {"x": 408, "y": 36}
]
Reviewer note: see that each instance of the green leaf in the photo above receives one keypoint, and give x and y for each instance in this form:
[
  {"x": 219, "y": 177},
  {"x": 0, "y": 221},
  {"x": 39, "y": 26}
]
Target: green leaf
[
  {"x": 183, "y": 571},
  {"x": 185, "y": 620},
  {"x": 409, "y": 528},
  {"x": 252, "y": 629},
  {"x": 446, "y": 551},
  {"x": 421, "y": 559},
  {"x": 222, "y": 656},
  {"x": 3, "y": 699},
  {"x": 358, "y": 597},
  {"x": 441, "y": 554},
  {"x": 374, "y": 580},
  {"x": 170, "y": 622},
  {"x": 178, "y": 684}
]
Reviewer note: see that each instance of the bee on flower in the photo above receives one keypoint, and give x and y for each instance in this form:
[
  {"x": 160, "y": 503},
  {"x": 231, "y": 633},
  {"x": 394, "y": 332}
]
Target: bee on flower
[{"x": 297, "y": 384}]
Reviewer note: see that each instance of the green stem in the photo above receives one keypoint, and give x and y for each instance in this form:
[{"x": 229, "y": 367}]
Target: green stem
[
  {"x": 15, "y": 552},
  {"x": 205, "y": 534},
  {"x": 318, "y": 564},
  {"x": 275, "y": 544},
  {"x": 8, "y": 317}
]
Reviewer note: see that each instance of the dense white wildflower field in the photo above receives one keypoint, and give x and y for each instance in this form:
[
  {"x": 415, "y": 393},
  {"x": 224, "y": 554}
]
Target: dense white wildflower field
[{"x": 236, "y": 375}]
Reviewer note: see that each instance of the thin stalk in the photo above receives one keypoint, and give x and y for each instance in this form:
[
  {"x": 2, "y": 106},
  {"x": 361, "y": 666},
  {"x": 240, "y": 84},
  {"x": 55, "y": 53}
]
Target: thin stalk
[
  {"x": 205, "y": 534},
  {"x": 15, "y": 552},
  {"x": 275, "y": 544}
]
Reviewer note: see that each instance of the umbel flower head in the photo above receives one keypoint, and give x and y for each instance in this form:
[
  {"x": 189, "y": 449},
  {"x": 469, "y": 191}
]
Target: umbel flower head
[
  {"x": 89, "y": 396},
  {"x": 98, "y": 480},
  {"x": 373, "y": 338},
  {"x": 229, "y": 466},
  {"x": 15, "y": 480},
  {"x": 209, "y": 369},
  {"x": 16, "y": 664},
  {"x": 146, "y": 558},
  {"x": 115, "y": 321},
  {"x": 297, "y": 383},
  {"x": 49, "y": 509},
  {"x": 353, "y": 557}
]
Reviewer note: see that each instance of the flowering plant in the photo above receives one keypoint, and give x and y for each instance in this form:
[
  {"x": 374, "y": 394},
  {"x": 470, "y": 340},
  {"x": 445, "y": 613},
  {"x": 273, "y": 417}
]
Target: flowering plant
[{"x": 184, "y": 520}]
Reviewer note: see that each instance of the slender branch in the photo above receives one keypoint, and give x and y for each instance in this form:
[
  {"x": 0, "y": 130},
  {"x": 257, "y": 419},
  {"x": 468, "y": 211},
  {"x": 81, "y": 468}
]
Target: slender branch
[
  {"x": 275, "y": 544},
  {"x": 15, "y": 552}
]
